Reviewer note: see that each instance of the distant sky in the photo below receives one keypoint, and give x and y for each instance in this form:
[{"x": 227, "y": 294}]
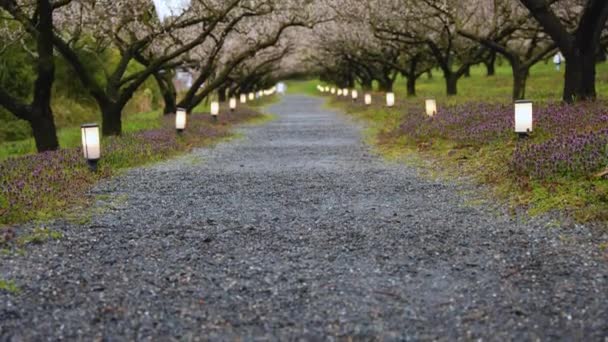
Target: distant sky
[{"x": 166, "y": 8}]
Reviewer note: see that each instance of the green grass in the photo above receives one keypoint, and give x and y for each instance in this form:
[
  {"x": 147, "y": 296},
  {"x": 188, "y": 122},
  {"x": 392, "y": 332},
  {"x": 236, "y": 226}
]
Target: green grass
[
  {"x": 302, "y": 87},
  {"x": 544, "y": 84},
  {"x": 70, "y": 137}
]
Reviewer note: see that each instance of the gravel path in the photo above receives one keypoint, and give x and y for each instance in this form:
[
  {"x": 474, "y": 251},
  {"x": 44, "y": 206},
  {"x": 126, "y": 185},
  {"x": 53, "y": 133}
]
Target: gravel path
[{"x": 299, "y": 231}]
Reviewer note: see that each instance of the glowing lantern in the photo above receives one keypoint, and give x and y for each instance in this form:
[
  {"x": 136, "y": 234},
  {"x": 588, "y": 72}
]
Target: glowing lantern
[
  {"x": 368, "y": 99},
  {"x": 339, "y": 92},
  {"x": 390, "y": 99},
  {"x": 333, "y": 91},
  {"x": 251, "y": 96},
  {"x": 91, "y": 145},
  {"x": 181, "y": 119},
  {"x": 355, "y": 95},
  {"x": 523, "y": 117},
  {"x": 243, "y": 98},
  {"x": 215, "y": 110},
  {"x": 431, "y": 107},
  {"x": 232, "y": 104}
]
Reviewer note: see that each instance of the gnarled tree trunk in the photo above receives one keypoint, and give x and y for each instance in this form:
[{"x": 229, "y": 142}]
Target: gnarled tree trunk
[
  {"x": 111, "y": 119},
  {"x": 168, "y": 92},
  {"x": 451, "y": 84}
]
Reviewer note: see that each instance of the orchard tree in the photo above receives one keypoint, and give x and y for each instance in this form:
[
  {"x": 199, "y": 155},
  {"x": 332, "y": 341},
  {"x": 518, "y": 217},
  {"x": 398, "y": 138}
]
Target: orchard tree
[
  {"x": 250, "y": 75},
  {"x": 36, "y": 26},
  {"x": 505, "y": 28},
  {"x": 578, "y": 40},
  {"x": 434, "y": 24},
  {"x": 255, "y": 34}
]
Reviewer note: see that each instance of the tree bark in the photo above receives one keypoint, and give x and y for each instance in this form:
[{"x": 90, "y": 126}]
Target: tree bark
[
  {"x": 520, "y": 77},
  {"x": 43, "y": 125},
  {"x": 451, "y": 84},
  {"x": 580, "y": 76},
  {"x": 411, "y": 86},
  {"x": 385, "y": 83},
  {"x": 44, "y": 130},
  {"x": 221, "y": 94},
  {"x": 490, "y": 64},
  {"x": 111, "y": 119},
  {"x": 167, "y": 90},
  {"x": 366, "y": 84}
]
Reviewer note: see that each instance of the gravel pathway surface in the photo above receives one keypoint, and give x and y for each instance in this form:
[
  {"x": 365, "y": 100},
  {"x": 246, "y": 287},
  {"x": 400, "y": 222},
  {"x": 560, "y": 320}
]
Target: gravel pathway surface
[{"x": 298, "y": 231}]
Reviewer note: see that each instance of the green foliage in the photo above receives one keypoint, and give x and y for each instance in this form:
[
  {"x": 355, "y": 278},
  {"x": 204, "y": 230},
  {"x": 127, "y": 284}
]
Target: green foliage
[
  {"x": 16, "y": 77},
  {"x": 72, "y": 105}
]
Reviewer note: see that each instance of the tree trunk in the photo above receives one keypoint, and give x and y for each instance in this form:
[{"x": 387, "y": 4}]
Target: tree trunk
[
  {"x": 167, "y": 90},
  {"x": 601, "y": 55},
  {"x": 366, "y": 84},
  {"x": 111, "y": 119},
  {"x": 467, "y": 71},
  {"x": 385, "y": 84},
  {"x": 221, "y": 94},
  {"x": 43, "y": 125},
  {"x": 411, "y": 86},
  {"x": 520, "y": 77},
  {"x": 170, "y": 103},
  {"x": 451, "y": 84},
  {"x": 490, "y": 64},
  {"x": 580, "y": 76},
  {"x": 43, "y": 129}
]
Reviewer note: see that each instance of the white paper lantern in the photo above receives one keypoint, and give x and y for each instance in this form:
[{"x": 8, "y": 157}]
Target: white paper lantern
[
  {"x": 355, "y": 95},
  {"x": 232, "y": 104},
  {"x": 345, "y": 92},
  {"x": 523, "y": 117},
  {"x": 215, "y": 108},
  {"x": 339, "y": 92},
  {"x": 431, "y": 107},
  {"x": 368, "y": 99},
  {"x": 243, "y": 98},
  {"x": 91, "y": 144},
  {"x": 251, "y": 96},
  {"x": 390, "y": 99},
  {"x": 333, "y": 91},
  {"x": 181, "y": 119}
]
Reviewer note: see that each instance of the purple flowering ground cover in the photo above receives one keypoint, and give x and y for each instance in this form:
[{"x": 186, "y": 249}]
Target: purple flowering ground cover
[
  {"x": 44, "y": 185},
  {"x": 561, "y": 166},
  {"x": 568, "y": 140}
]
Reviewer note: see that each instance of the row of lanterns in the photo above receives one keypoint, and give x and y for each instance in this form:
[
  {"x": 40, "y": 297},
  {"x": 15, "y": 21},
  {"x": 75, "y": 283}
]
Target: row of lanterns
[
  {"x": 91, "y": 137},
  {"x": 523, "y": 108},
  {"x": 181, "y": 115}
]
